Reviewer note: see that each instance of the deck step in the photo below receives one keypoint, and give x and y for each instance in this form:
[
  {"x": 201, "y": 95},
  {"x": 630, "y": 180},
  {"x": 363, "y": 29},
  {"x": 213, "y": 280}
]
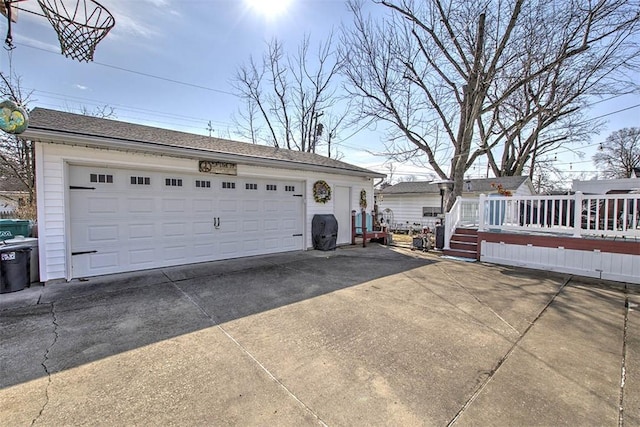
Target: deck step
[
  {"x": 471, "y": 238},
  {"x": 461, "y": 253},
  {"x": 468, "y": 231},
  {"x": 463, "y": 243},
  {"x": 465, "y": 246}
]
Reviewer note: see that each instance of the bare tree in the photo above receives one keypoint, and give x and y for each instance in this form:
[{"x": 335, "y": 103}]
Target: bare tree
[
  {"x": 445, "y": 75},
  {"x": 17, "y": 159},
  {"x": 619, "y": 154},
  {"x": 291, "y": 101}
]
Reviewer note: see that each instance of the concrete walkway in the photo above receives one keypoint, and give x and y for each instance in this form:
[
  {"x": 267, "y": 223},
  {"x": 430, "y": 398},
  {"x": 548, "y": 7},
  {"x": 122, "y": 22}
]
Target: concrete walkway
[{"x": 373, "y": 336}]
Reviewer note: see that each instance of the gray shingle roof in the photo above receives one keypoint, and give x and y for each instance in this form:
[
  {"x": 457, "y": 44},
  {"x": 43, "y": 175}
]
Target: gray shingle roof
[
  {"x": 43, "y": 119},
  {"x": 470, "y": 186}
]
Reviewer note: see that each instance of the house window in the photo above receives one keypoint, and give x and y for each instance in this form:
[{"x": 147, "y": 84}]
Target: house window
[
  {"x": 140, "y": 180},
  {"x": 173, "y": 182},
  {"x": 289, "y": 188},
  {"x": 100, "y": 177},
  {"x": 272, "y": 187},
  {"x": 429, "y": 211},
  {"x": 228, "y": 185},
  {"x": 251, "y": 186},
  {"x": 203, "y": 184}
]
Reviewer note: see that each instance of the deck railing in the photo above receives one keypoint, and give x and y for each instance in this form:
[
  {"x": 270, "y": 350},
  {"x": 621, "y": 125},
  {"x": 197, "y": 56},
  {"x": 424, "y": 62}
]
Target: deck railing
[
  {"x": 465, "y": 212},
  {"x": 578, "y": 215}
]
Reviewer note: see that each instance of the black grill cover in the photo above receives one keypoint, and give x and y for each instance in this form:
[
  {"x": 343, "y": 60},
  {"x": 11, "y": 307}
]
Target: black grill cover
[{"x": 324, "y": 232}]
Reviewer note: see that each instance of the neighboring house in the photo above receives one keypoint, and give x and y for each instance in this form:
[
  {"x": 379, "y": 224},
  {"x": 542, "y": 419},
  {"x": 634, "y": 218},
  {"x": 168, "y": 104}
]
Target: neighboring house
[
  {"x": 419, "y": 202},
  {"x": 635, "y": 173},
  {"x": 602, "y": 186},
  {"x": 13, "y": 193},
  {"x": 118, "y": 197}
]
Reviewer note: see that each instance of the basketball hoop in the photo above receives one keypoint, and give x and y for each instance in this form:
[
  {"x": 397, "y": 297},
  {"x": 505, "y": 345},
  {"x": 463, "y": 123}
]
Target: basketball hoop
[{"x": 80, "y": 25}]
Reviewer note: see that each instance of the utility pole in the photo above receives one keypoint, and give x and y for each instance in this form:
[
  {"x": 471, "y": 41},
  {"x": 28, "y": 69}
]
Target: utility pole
[
  {"x": 317, "y": 131},
  {"x": 210, "y": 128}
]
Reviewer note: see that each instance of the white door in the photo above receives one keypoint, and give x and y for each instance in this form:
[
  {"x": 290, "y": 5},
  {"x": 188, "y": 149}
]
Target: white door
[
  {"x": 342, "y": 212},
  {"x": 126, "y": 220}
]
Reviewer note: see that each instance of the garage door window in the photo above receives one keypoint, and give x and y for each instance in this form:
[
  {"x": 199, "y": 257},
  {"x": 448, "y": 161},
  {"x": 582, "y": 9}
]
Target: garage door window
[
  {"x": 173, "y": 182},
  {"x": 250, "y": 186},
  {"x": 203, "y": 184},
  {"x": 100, "y": 177},
  {"x": 272, "y": 187},
  {"x": 289, "y": 188},
  {"x": 140, "y": 180},
  {"x": 228, "y": 185}
]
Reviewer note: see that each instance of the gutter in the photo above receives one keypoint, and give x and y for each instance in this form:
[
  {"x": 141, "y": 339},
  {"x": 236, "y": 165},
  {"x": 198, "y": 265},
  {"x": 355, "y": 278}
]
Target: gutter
[{"x": 90, "y": 141}]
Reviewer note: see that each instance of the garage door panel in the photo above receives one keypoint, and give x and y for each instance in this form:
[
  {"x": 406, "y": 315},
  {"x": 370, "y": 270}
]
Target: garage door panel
[
  {"x": 251, "y": 226},
  {"x": 142, "y": 257},
  {"x": 202, "y": 228},
  {"x": 139, "y": 226},
  {"x": 140, "y": 205},
  {"x": 175, "y": 253},
  {"x": 203, "y": 206},
  {"x": 104, "y": 259},
  {"x": 141, "y": 231},
  {"x": 102, "y": 205},
  {"x": 175, "y": 229},
  {"x": 102, "y": 233},
  {"x": 271, "y": 225},
  {"x": 174, "y": 205}
]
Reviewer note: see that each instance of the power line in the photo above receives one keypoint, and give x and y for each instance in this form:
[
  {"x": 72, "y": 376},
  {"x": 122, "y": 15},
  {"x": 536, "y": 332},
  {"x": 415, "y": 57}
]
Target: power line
[{"x": 140, "y": 73}]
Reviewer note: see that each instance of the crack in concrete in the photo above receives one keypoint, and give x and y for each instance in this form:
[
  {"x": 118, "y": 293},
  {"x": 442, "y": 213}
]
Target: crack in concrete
[
  {"x": 216, "y": 323},
  {"x": 44, "y": 362},
  {"x": 623, "y": 368},
  {"x": 504, "y": 358}
]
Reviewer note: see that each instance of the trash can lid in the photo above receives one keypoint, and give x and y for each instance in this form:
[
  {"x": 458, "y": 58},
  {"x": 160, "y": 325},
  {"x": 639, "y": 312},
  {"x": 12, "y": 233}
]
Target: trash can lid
[{"x": 12, "y": 248}]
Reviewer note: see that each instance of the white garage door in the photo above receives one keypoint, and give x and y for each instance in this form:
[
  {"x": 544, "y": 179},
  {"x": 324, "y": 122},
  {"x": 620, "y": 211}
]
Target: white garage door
[{"x": 127, "y": 220}]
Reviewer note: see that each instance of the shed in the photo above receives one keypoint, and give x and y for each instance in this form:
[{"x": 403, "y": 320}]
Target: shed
[{"x": 419, "y": 201}]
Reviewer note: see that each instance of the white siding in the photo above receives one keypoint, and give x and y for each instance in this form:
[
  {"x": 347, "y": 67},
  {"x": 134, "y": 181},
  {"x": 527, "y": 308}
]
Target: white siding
[
  {"x": 604, "y": 265},
  {"x": 407, "y": 208},
  {"x": 52, "y": 192}
]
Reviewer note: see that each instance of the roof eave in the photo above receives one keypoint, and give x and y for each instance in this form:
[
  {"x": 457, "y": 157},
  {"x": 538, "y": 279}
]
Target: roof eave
[{"x": 92, "y": 141}]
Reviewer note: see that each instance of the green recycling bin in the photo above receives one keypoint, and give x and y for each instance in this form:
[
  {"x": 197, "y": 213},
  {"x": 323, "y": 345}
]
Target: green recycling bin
[
  {"x": 10, "y": 228},
  {"x": 15, "y": 268}
]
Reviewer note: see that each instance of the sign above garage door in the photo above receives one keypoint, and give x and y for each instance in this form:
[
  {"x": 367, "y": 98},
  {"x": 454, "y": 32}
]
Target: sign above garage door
[{"x": 220, "y": 168}]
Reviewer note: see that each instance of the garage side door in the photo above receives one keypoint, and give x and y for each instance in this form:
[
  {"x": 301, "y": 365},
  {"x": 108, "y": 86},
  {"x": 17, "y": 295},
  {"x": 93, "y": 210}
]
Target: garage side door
[{"x": 126, "y": 220}]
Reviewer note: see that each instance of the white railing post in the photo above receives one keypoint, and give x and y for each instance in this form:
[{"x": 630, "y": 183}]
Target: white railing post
[
  {"x": 481, "y": 218},
  {"x": 451, "y": 219},
  {"x": 577, "y": 214}
]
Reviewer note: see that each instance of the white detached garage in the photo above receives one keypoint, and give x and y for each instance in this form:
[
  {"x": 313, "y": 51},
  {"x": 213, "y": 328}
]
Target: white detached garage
[{"x": 117, "y": 197}]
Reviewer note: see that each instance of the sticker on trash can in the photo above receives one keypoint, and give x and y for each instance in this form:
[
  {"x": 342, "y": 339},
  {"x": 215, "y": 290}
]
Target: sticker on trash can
[
  {"x": 8, "y": 256},
  {"x": 5, "y": 233}
]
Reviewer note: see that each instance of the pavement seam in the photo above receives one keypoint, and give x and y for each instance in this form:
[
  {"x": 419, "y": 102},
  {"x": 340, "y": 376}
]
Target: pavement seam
[
  {"x": 504, "y": 358},
  {"x": 44, "y": 363},
  {"x": 623, "y": 368},
  {"x": 446, "y": 273},
  {"x": 248, "y": 353}
]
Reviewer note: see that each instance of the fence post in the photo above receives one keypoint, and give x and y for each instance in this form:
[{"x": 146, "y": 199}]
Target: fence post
[
  {"x": 577, "y": 214},
  {"x": 481, "y": 218}
]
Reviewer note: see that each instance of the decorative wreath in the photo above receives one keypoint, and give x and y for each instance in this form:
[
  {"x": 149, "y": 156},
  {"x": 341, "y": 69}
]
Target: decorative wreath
[
  {"x": 321, "y": 192},
  {"x": 363, "y": 199}
]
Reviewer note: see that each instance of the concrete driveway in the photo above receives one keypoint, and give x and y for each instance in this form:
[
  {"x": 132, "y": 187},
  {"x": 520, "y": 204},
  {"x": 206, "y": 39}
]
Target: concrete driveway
[{"x": 375, "y": 336}]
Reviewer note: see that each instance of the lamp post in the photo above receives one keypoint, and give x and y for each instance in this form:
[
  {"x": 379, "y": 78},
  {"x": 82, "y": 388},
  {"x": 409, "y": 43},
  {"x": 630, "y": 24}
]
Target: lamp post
[{"x": 444, "y": 185}]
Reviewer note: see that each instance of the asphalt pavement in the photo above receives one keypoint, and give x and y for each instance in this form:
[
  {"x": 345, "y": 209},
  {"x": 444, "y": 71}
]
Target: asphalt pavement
[{"x": 372, "y": 336}]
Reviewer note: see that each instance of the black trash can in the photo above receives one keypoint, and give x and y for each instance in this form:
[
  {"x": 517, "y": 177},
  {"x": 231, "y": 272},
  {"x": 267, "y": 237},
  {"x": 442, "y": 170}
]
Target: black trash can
[
  {"x": 439, "y": 237},
  {"x": 14, "y": 268},
  {"x": 324, "y": 232}
]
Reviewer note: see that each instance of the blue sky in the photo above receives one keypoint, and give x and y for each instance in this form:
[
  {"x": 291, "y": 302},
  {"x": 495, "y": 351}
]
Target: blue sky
[{"x": 201, "y": 43}]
